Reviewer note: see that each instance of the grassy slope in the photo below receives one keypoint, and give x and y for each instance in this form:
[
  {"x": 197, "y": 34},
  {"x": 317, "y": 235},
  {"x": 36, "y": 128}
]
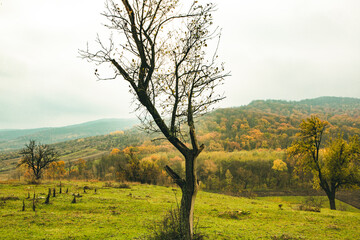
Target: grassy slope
[{"x": 116, "y": 213}]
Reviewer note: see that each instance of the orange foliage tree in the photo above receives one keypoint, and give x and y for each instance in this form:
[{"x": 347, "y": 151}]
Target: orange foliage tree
[{"x": 56, "y": 170}]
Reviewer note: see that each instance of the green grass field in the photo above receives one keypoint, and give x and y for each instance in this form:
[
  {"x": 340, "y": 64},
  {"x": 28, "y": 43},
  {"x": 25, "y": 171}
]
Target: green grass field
[{"x": 128, "y": 213}]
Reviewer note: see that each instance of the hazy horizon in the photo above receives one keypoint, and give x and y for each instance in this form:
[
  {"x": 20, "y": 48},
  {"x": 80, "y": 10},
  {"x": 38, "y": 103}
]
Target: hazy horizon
[
  {"x": 135, "y": 118},
  {"x": 282, "y": 50}
]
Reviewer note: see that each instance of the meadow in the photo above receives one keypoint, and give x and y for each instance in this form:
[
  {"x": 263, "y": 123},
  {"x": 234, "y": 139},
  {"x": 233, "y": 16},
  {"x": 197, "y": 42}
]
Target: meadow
[{"x": 111, "y": 210}]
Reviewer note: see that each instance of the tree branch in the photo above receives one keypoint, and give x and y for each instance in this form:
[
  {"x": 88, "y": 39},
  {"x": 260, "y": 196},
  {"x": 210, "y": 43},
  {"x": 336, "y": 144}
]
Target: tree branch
[{"x": 177, "y": 179}]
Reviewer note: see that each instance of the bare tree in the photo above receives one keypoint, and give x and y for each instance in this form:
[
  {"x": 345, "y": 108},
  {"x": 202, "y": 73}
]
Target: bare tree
[
  {"x": 37, "y": 157},
  {"x": 160, "y": 52}
]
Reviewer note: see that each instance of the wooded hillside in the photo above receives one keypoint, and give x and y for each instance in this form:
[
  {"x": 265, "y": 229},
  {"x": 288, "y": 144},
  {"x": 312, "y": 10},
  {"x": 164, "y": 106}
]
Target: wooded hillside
[{"x": 270, "y": 124}]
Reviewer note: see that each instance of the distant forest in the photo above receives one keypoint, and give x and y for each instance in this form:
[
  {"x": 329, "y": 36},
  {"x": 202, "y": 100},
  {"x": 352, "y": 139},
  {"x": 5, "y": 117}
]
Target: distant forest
[
  {"x": 272, "y": 124},
  {"x": 244, "y": 148},
  {"x": 269, "y": 124}
]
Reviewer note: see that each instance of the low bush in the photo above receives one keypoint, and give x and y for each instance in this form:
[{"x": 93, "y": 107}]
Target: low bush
[
  {"x": 312, "y": 204},
  {"x": 123, "y": 185},
  {"x": 285, "y": 237},
  {"x": 8, "y": 198},
  {"x": 169, "y": 228},
  {"x": 234, "y": 214}
]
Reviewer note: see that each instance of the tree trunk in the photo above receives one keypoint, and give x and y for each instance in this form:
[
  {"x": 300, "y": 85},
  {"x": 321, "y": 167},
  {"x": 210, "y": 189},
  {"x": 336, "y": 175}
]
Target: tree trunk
[
  {"x": 37, "y": 175},
  {"x": 189, "y": 191},
  {"x": 189, "y": 187},
  {"x": 187, "y": 210},
  {"x": 331, "y": 196}
]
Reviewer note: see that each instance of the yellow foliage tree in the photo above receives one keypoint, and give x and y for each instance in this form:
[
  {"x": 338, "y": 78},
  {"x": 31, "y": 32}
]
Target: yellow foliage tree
[
  {"x": 339, "y": 166},
  {"x": 279, "y": 165},
  {"x": 115, "y": 151}
]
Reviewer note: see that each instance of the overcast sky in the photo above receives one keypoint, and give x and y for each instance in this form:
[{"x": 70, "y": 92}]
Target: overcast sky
[{"x": 275, "y": 49}]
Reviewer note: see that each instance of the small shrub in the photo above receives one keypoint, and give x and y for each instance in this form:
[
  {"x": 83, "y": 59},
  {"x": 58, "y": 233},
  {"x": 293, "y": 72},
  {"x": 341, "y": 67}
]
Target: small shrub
[
  {"x": 120, "y": 185},
  {"x": 308, "y": 208},
  {"x": 333, "y": 227},
  {"x": 108, "y": 184},
  {"x": 285, "y": 237},
  {"x": 169, "y": 228},
  {"x": 123, "y": 185},
  {"x": 33, "y": 181},
  {"x": 312, "y": 204},
  {"x": 234, "y": 214},
  {"x": 114, "y": 212},
  {"x": 247, "y": 194},
  {"x": 9, "y": 198}
]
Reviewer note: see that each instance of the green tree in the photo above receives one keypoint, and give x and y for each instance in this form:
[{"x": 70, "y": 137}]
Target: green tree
[
  {"x": 335, "y": 166},
  {"x": 160, "y": 53},
  {"x": 37, "y": 157}
]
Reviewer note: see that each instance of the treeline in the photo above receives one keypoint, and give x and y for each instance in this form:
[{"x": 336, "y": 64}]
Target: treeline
[{"x": 230, "y": 172}]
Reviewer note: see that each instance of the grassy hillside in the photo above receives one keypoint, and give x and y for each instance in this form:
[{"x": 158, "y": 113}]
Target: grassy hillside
[{"x": 127, "y": 213}]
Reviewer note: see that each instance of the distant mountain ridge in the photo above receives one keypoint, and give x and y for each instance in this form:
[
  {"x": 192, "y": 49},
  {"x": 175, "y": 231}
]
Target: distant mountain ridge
[
  {"x": 322, "y": 106},
  {"x": 16, "y": 138},
  {"x": 325, "y": 100},
  {"x": 333, "y": 102}
]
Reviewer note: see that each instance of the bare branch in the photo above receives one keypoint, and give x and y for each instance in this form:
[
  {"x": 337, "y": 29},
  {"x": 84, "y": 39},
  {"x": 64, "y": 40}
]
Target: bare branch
[{"x": 177, "y": 179}]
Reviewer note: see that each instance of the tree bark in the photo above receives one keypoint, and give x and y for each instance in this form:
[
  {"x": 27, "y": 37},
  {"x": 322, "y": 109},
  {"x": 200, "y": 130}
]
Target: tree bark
[
  {"x": 187, "y": 210},
  {"x": 331, "y": 197},
  {"x": 189, "y": 187},
  {"x": 189, "y": 191}
]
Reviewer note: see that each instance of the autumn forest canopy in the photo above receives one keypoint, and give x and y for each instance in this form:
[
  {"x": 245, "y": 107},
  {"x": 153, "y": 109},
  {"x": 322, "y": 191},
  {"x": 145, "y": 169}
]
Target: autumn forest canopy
[{"x": 244, "y": 145}]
